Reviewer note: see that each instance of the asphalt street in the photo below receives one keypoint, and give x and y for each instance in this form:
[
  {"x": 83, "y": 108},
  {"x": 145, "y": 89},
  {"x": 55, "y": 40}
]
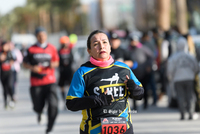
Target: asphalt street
[{"x": 22, "y": 120}]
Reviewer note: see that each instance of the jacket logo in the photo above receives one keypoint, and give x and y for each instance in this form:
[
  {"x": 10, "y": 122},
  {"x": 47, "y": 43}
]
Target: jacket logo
[
  {"x": 113, "y": 78},
  {"x": 114, "y": 88}
]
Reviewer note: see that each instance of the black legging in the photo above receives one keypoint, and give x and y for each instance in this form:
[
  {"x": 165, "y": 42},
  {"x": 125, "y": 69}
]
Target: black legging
[
  {"x": 6, "y": 80},
  {"x": 144, "y": 81},
  {"x": 42, "y": 94}
]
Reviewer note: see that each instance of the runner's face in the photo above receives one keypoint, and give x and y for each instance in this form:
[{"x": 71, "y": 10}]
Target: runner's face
[
  {"x": 6, "y": 47},
  {"x": 100, "y": 47},
  {"x": 134, "y": 43},
  {"x": 66, "y": 45},
  {"x": 115, "y": 43},
  {"x": 42, "y": 37}
]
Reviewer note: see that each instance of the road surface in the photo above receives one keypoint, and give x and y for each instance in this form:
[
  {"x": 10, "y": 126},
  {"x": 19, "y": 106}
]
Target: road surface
[{"x": 22, "y": 120}]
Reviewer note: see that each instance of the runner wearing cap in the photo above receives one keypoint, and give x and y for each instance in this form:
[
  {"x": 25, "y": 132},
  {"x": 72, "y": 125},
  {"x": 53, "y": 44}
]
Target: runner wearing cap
[
  {"x": 117, "y": 52},
  {"x": 65, "y": 69},
  {"x": 42, "y": 59}
]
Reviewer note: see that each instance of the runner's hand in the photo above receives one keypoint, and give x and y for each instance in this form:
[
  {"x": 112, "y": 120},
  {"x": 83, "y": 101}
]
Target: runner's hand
[
  {"x": 3, "y": 57},
  {"x": 103, "y": 99},
  {"x": 130, "y": 84},
  {"x": 109, "y": 97},
  {"x": 36, "y": 69}
]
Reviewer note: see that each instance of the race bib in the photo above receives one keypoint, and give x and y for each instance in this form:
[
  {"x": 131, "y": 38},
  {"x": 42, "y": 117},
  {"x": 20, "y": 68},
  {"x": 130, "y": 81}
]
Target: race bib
[{"x": 113, "y": 125}]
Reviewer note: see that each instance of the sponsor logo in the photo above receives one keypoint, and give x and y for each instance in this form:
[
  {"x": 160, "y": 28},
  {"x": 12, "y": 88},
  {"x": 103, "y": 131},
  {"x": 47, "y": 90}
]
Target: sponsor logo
[
  {"x": 42, "y": 56},
  {"x": 105, "y": 120},
  {"x": 117, "y": 90},
  {"x": 113, "y": 78}
]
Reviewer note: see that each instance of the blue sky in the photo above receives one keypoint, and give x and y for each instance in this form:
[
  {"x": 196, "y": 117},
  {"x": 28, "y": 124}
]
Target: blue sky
[{"x": 8, "y": 5}]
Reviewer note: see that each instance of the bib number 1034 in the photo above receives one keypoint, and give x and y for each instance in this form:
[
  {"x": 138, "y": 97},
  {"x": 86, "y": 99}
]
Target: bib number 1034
[{"x": 113, "y": 125}]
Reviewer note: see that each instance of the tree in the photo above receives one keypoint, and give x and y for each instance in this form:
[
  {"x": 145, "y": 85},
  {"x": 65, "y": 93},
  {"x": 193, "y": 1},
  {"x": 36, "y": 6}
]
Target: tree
[
  {"x": 181, "y": 16},
  {"x": 54, "y": 15},
  {"x": 163, "y": 13},
  {"x": 57, "y": 15}
]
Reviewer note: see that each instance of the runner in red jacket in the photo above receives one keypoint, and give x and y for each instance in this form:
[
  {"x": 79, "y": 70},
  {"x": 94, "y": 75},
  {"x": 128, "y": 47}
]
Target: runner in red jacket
[{"x": 41, "y": 59}]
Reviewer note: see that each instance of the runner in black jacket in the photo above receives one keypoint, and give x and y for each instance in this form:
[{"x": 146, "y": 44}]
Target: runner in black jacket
[
  {"x": 65, "y": 69},
  {"x": 101, "y": 87},
  {"x": 6, "y": 61}
]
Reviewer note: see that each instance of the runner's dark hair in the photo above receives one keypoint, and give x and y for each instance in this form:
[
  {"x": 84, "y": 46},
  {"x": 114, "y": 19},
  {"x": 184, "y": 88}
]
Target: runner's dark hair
[{"x": 90, "y": 36}]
